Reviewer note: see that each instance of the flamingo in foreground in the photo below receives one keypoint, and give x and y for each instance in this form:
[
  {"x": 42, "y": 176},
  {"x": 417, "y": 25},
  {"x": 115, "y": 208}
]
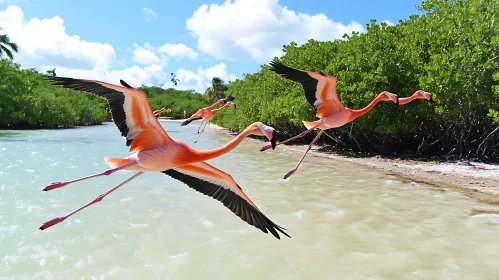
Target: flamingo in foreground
[
  {"x": 154, "y": 151},
  {"x": 208, "y": 114},
  {"x": 320, "y": 91},
  {"x": 157, "y": 113},
  {"x": 420, "y": 94}
]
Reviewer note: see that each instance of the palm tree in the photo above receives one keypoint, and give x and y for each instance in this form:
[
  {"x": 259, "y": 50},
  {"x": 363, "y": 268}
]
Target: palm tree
[
  {"x": 5, "y": 45},
  {"x": 217, "y": 90},
  {"x": 51, "y": 72}
]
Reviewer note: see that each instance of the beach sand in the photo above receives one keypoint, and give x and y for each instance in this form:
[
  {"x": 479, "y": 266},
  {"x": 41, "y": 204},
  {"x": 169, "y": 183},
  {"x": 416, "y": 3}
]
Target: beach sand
[{"x": 474, "y": 179}]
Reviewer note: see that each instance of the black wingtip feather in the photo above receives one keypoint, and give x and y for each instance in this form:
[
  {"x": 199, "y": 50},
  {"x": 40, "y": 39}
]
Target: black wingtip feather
[
  {"x": 229, "y": 199},
  {"x": 125, "y": 84},
  {"x": 186, "y": 122}
]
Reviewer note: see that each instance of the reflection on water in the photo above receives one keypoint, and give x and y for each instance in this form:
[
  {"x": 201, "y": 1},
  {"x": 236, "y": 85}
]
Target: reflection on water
[{"x": 346, "y": 221}]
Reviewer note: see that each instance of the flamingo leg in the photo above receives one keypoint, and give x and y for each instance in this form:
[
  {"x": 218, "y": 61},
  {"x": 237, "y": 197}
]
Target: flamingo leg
[
  {"x": 201, "y": 132},
  {"x": 99, "y": 198},
  {"x": 197, "y": 132},
  {"x": 292, "y": 138},
  {"x": 56, "y": 185},
  {"x": 308, "y": 149}
]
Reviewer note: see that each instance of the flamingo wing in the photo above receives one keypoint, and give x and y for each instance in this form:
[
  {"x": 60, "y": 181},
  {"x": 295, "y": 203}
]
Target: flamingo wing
[
  {"x": 130, "y": 110},
  {"x": 319, "y": 88},
  {"x": 213, "y": 182}
]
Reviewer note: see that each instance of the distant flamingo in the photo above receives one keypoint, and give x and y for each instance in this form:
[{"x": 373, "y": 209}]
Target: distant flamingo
[
  {"x": 420, "y": 94},
  {"x": 157, "y": 113},
  {"x": 320, "y": 91},
  {"x": 208, "y": 114},
  {"x": 154, "y": 151}
]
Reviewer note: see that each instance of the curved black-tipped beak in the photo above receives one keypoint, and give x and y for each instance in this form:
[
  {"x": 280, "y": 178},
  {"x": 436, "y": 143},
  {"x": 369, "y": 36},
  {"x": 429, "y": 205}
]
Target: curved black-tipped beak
[
  {"x": 273, "y": 141},
  {"x": 398, "y": 103}
]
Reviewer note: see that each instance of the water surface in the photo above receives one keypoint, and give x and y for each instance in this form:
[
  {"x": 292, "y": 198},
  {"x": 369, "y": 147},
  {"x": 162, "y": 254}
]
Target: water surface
[{"x": 346, "y": 221}]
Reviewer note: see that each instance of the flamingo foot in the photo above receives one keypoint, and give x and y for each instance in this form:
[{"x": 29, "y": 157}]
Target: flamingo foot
[
  {"x": 52, "y": 222},
  {"x": 264, "y": 148},
  {"x": 55, "y": 185},
  {"x": 289, "y": 173}
]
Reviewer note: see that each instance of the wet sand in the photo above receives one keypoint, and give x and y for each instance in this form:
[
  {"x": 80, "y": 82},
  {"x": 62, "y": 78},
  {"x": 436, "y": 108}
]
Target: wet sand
[{"x": 477, "y": 180}]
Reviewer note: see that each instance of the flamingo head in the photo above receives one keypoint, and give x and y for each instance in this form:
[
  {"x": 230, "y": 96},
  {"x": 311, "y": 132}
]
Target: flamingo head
[
  {"x": 267, "y": 131},
  {"x": 387, "y": 96},
  {"x": 228, "y": 99},
  {"x": 423, "y": 94},
  {"x": 232, "y": 104}
]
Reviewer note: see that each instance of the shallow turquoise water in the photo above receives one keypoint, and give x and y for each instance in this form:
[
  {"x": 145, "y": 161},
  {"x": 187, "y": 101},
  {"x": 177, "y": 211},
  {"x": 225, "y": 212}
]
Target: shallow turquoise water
[{"x": 346, "y": 221}]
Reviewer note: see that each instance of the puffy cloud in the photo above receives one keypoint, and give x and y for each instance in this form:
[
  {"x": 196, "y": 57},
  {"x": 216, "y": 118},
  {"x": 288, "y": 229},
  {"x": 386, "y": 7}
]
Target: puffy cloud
[
  {"x": 149, "y": 14},
  {"x": 257, "y": 29},
  {"x": 45, "y": 42},
  {"x": 177, "y": 50},
  {"x": 44, "y": 45},
  {"x": 389, "y": 23},
  {"x": 135, "y": 75},
  {"x": 145, "y": 55},
  {"x": 201, "y": 79}
]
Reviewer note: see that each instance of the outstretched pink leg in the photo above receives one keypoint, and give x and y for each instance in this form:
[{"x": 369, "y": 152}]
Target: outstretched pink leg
[
  {"x": 292, "y": 138},
  {"x": 57, "y": 185},
  {"x": 308, "y": 149},
  {"x": 201, "y": 132},
  {"x": 198, "y": 130},
  {"x": 99, "y": 198}
]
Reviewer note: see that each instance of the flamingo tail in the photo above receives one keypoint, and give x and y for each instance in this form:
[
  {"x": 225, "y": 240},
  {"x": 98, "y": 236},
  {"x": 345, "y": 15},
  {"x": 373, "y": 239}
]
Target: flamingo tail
[
  {"x": 309, "y": 125},
  {"x": 118, "y": 162}
]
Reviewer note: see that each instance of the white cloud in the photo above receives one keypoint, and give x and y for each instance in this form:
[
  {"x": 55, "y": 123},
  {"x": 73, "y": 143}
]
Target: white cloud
[
  {"x": 149, "y": 14},
  {"x": 135, "y": 75},
  {"x": 145, "y": 55},
  {"x": 389, "y": 23},
  {"x": 201, "y": 79},
  {"x": 45, "y": 42},
  {"x": 257, "y": 29},
  {"x": 177, "y": 50},
  {"x": 44, "y": 45}
]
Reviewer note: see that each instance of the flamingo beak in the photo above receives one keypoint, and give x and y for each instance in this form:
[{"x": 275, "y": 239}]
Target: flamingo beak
[
  {"x": 273, "y": 141},
  {"x": 270, "y": 133},
  {"x": 393, "y": 97},
  {"x": 427, "y": 95}
]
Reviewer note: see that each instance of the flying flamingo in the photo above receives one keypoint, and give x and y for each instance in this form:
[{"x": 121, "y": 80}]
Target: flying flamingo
[
  {"x": 420, "y": 94},
  {"x": 320, "y": 91},
  {"x": 154, "y": 151},
  {"x": 157, "y": 113},
  {"x": 208, "y": 114}
]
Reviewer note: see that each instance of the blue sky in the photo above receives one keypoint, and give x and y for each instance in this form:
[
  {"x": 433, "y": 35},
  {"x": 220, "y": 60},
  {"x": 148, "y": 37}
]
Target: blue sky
[{"x": 142, "y": 42}]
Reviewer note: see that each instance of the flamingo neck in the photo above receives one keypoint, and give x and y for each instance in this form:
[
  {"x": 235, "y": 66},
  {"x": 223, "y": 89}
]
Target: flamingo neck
[
  {"x": 214, "y": 153},
  {"x": 406, "y": 100},
  {"x": 360, "y": 112}
]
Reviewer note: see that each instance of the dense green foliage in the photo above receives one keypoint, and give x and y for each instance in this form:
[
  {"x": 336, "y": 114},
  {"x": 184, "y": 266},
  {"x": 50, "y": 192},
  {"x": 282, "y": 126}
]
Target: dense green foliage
[
  {"x": 27, "y": 100},
  {"x": 177, "y": 100},
  {"x": 452, "y": 51}
]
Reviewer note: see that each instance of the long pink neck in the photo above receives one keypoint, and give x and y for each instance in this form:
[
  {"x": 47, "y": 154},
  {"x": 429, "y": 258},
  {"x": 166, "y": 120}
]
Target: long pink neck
[
  {"x": 360, "y": 112},
  {"x": 210, "y": 154},
  {"x": 406, "y": 100}
]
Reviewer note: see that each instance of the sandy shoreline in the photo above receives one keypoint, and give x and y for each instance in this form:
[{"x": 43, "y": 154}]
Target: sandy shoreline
[{"x": 474, "y": 179}]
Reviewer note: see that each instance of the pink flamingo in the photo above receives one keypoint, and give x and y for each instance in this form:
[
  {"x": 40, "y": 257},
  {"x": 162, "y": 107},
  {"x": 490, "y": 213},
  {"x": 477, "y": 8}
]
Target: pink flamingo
[
  {"x": 157, "y": 113},
  {"x": 154, "y": 151},
  {"x": 207, "y": 114},
  {"x": 320, "y": 91}
]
